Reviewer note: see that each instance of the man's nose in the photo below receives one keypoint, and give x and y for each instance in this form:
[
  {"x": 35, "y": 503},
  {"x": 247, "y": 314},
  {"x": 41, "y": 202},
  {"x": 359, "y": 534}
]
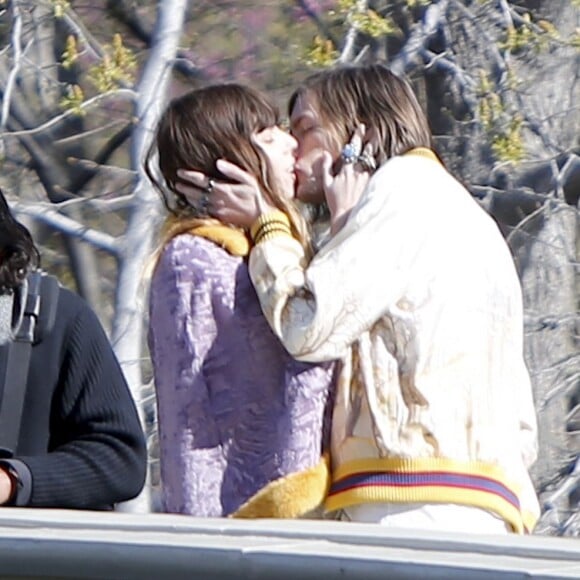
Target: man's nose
[
  {"x": 292, "y": 143},
  {"x": 299, "y": 163}
]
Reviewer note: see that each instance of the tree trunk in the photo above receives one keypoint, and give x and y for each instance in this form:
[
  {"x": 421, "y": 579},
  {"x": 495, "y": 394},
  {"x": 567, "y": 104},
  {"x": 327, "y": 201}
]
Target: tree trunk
[
  {"x": 545, "y": 253},
  {"x": 127, "y": 336}
]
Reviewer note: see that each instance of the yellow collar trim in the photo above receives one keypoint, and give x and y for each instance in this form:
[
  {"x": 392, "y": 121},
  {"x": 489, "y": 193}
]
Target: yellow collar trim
[
  {"x": 423, "y": 152},
  {"x": 232, "y": 240}
]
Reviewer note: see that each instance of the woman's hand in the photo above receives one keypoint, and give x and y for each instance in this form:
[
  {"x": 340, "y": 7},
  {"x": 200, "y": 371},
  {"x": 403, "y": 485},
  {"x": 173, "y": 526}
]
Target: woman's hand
[
  {"x": 238, "y": 203},
  {"x": 344, "y": 188}
]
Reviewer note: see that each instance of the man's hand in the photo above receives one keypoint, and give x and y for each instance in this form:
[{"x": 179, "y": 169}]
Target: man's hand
[
  {"x": 344, "y": 188},
  {"x": 5, "y": 486},
  {"x": 238, "y": 203}
]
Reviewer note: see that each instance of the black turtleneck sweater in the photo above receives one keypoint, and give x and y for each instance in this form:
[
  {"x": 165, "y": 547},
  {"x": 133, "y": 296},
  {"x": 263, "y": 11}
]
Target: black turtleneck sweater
[{"x": 81, "y": 444}]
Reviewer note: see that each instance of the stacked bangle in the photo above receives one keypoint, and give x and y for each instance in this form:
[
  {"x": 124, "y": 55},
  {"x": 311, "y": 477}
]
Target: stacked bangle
[{"x": 270, "y": 225}]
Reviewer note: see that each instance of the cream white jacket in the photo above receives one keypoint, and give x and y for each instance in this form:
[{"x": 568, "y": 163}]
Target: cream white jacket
[{"x": 419, "y": 298}]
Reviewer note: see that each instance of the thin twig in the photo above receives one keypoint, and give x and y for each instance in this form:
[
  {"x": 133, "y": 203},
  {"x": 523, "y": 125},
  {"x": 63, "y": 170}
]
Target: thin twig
[
  {"x": 123, "y": 93},
  {"x": 46, "y": 213},
  {"x": 419, "y": 37}
]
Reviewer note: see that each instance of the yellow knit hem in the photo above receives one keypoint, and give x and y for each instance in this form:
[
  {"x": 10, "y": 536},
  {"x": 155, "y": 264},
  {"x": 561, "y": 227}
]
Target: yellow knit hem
[
  {"x": 530, "y": 520},
  {"x": 431, "y": 494},
  {"x": 520, "y": 521},
  {"x": 274, "y": 216},
  {"x": 291, "y": 496},
  {"x": 272, "y": 234}
]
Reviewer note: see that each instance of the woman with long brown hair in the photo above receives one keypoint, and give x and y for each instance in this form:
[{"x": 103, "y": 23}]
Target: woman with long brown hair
[{"x": 240, "y": 421}]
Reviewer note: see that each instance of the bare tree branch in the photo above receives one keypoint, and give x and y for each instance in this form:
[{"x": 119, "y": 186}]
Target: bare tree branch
[
  {"x": 347, "y": 53},
  {"x": 50, "y": 215},
  {"x": 16, "y": 44},
  {"x": 126, "y": 13},
  {"x": 128, "y": 94},
  {"x": 419, "y": 37},
  {"x": 318, "y": 21}
]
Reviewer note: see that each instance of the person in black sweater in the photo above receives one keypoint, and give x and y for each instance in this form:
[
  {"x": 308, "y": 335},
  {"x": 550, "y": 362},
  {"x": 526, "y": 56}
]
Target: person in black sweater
[{"x": 81, "y": 444}]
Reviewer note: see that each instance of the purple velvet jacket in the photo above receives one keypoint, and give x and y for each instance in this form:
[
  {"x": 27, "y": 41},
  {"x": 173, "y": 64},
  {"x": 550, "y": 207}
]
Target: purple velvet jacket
[{"x": 235, "y": 411}]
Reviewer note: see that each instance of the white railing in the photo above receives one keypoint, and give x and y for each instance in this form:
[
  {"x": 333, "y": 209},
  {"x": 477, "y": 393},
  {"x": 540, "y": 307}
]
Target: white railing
[{"x": 76, "y": 544}]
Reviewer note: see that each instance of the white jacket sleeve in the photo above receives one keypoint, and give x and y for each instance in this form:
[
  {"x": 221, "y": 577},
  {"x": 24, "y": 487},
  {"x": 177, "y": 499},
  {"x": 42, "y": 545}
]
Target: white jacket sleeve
[{"x": 318, "y": 311}]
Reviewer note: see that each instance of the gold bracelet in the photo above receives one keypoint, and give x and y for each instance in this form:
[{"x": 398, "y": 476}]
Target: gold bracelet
[{"x": 276, "y": 216}]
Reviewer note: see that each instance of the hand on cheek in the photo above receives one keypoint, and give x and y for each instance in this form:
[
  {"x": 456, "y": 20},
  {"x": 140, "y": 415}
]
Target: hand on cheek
[{"x": 342, "y": 190}]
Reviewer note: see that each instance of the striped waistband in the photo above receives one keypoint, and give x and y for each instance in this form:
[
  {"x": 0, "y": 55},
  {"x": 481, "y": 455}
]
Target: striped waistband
[{"x": 428, "y": 480}]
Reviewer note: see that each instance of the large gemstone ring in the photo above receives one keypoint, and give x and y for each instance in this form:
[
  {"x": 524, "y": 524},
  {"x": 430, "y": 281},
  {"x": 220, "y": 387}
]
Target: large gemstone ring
[{"x": 350, "y": 152}]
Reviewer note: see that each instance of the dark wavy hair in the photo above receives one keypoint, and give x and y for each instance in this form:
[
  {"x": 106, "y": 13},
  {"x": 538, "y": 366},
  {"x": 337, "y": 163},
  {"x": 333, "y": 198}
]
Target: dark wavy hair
[{"x": 18, "y": 254}]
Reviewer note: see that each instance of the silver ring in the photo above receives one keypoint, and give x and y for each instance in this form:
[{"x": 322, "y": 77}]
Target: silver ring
[
  {"x": 367, "y": 161},
  {"x": 204, "y": 202},
  {"x": 210, "y": 184},
  {"x": 350, "y": 152}
]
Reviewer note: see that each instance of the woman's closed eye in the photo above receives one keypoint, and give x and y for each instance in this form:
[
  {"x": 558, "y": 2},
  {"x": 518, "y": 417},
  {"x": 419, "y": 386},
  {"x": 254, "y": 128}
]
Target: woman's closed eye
[{"x": 267, "y": 135}]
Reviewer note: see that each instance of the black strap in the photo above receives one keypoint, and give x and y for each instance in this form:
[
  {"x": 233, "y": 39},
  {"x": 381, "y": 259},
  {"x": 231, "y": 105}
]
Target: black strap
[
  {"x": 49, "y": 289},
  {"x": 16, "y": 358}
]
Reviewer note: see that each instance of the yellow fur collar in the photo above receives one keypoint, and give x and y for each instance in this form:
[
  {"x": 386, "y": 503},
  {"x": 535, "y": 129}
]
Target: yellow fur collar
[
  {"x": 293, "y": 496},
  {"x": 232, "y": 240}
]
